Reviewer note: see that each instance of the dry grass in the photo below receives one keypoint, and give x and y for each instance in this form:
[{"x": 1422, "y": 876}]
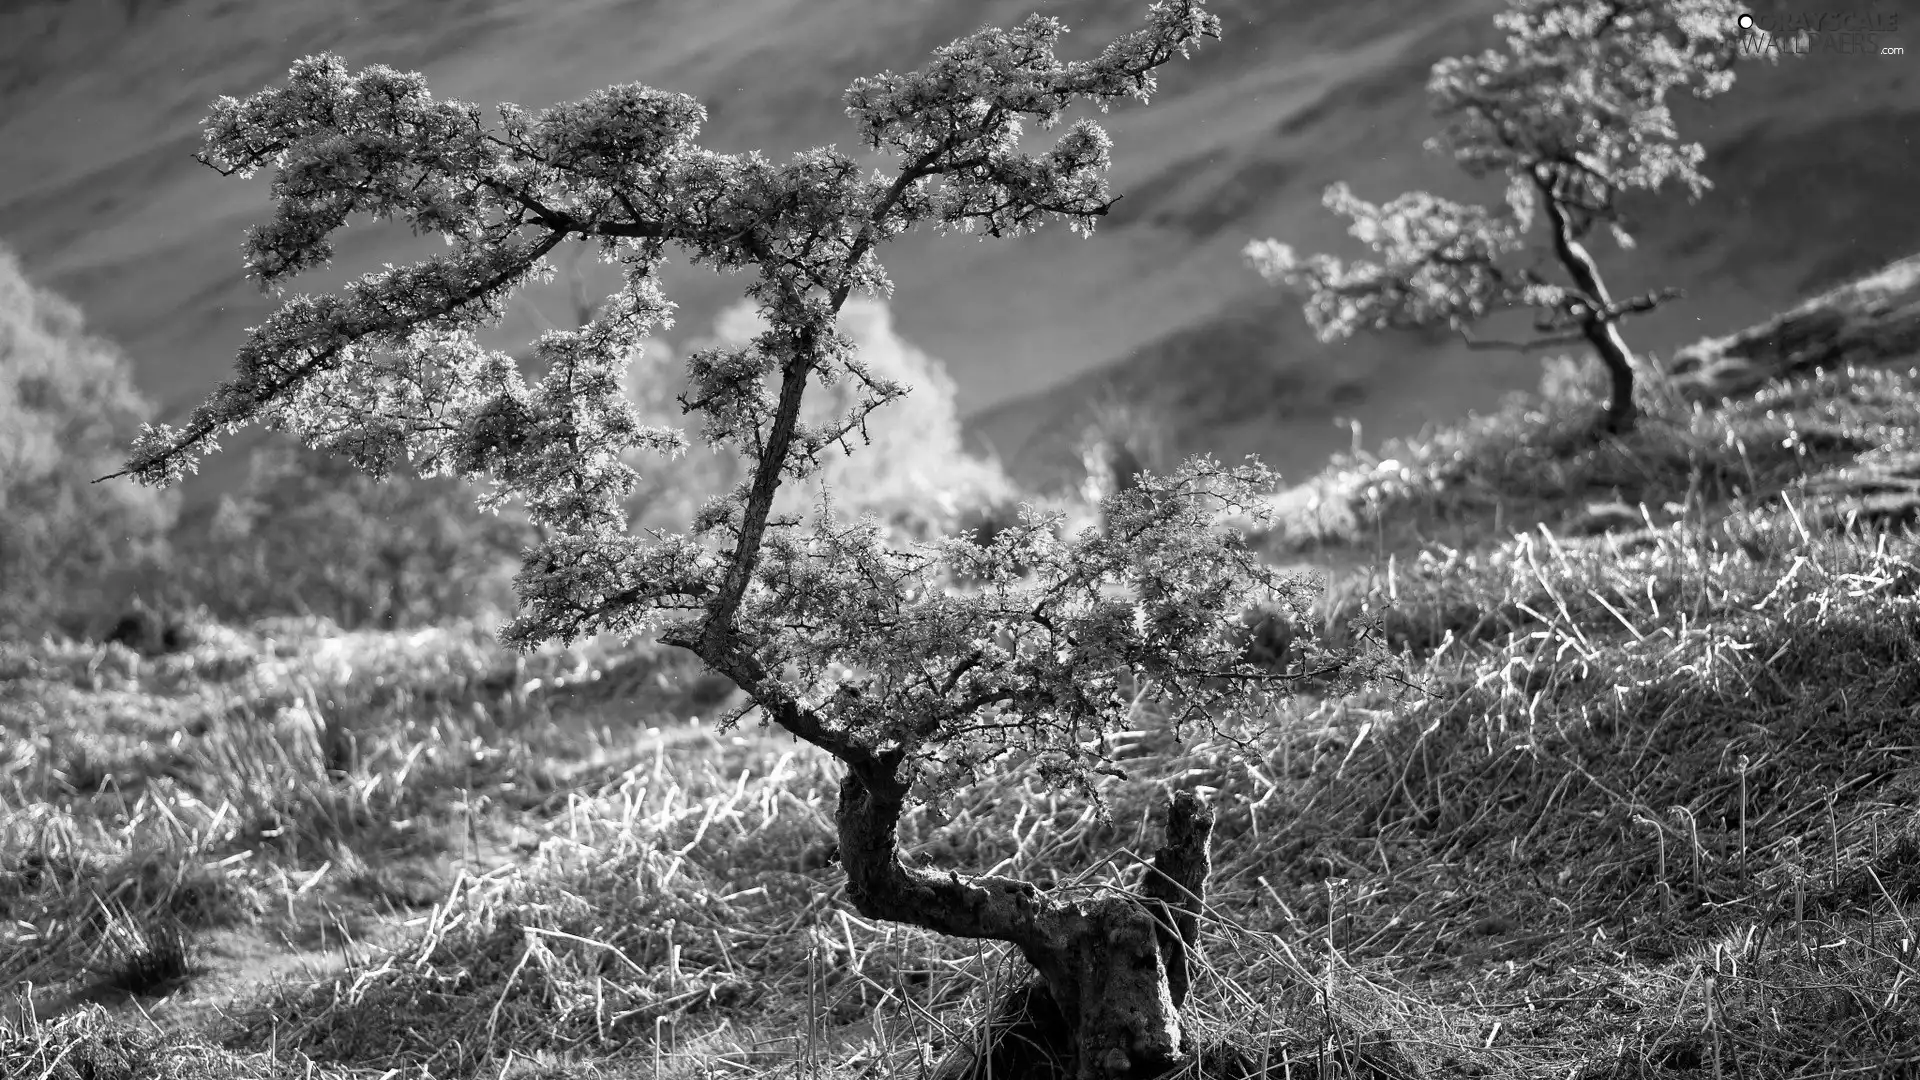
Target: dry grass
[
  {"x": 1638, "y": 776},
  {"x": 88, "y": 1044},
  {"x": 1538, "y": 461},
  {"x": 1643, "y": 805},
  {"x": 141, "y": 798}
]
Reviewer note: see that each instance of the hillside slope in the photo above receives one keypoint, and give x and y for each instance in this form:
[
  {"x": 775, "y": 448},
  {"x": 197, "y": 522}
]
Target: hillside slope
[
  {"x": 1809, "y": 159},
  {"x": 1874, "y": 320},
  {"x": 1632, "y": 799},
  {"x": 100, "y": 195}
]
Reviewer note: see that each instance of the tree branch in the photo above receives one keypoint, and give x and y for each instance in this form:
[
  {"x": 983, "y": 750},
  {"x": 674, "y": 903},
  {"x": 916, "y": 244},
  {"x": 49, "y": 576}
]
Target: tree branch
[
  {"x": 773, "y": 457},
  {"x": 1641, "y": 304},
  {"x": 881, "y": 886},
  {"x": 1488, "y": 344},
  {"x": 204, "y": 426}
]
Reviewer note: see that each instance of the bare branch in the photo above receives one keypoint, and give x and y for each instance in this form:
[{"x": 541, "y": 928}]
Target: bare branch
[
  {"x": 1641, "y": 304},
  {"x": 1549, "y": 342}
]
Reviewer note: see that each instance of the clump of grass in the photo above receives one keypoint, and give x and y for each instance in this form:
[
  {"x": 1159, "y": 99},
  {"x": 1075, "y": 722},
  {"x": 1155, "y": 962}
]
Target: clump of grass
[
  {"x": 678, "y": 908},
  {"x": 139, "y": 956},
  {"x": 90, "y": 1044},
  {"x": 75, "y": 900}
]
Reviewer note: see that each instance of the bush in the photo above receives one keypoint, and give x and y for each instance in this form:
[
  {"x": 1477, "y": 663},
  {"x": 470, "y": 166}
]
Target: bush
[
  {"x": 309, "y": 534},
  {"x": 1119, "y": 442},
  {"x": 67, "y": 407},
  {"x": 152, "y": 632}
]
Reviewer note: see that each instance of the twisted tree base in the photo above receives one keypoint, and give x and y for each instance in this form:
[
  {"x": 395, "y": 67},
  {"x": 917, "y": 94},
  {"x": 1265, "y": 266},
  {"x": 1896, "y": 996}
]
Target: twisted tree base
[{"x": 1113, "y": 978}]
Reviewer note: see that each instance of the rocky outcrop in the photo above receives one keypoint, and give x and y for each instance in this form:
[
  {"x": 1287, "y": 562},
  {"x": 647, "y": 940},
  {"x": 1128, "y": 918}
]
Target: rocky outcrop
[{"x": 1872, "y": 321}]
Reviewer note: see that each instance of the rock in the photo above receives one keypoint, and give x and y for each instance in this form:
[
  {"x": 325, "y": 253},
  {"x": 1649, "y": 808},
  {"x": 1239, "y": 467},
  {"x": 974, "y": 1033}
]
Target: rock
[
  {"x": 1874, "y": 321},
  {"x": 151, "y": 632}
]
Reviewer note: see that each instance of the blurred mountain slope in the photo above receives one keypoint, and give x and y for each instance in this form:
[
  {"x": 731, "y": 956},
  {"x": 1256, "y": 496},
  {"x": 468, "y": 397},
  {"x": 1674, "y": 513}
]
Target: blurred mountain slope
[{"x": 99, "y": 103}]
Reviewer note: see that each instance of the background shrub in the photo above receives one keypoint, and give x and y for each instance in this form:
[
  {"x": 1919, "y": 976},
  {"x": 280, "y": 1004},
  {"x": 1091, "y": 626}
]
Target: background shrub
[{"x": 68, "y": 405}]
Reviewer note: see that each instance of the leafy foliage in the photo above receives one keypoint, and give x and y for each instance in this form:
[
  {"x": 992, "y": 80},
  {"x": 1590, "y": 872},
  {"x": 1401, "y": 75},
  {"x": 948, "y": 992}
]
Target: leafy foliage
[
  {"x": 66, "y": 400},
  {"x": 1442, "y": 263},
  {"x": 847, "y": 642}
]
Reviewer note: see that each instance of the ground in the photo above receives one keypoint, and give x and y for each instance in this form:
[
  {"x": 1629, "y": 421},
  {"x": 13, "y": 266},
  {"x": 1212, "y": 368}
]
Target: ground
[{"x": 1636, "y": 798}]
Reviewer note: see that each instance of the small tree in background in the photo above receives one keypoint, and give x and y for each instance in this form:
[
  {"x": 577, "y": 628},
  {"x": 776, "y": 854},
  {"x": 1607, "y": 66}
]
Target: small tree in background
[
  {"x": 839, "y": 638},
  {"x": 1120, "y": 442},
  {"x": 67, "y": 403},
  {"x": 1573, "y": 113}
]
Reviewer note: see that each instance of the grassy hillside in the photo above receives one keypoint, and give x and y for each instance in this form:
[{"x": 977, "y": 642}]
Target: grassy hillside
[
  {"x": 1638, "y": 799},
  {"x": 1811, "y": 405},
  {"x": 100, "y": 101},
  {"x": 1249, "y": 377}
]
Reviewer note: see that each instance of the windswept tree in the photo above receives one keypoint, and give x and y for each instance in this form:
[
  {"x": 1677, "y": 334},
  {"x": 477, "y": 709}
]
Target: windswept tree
[
  {"x": 1573, "y": 114},
  {"x": 1120, "y": 442},
  {"x": 841, "y": 639}
]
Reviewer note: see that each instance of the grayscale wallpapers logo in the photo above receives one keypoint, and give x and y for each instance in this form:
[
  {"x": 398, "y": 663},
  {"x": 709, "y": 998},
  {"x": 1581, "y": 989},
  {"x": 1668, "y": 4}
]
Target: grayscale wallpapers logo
[{"x": 1854, "y": 33}]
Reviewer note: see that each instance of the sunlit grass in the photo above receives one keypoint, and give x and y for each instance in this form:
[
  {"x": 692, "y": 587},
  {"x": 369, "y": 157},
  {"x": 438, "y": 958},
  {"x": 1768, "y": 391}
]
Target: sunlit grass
[
  {"x": 1639, "y": 799},
  {"x": 1838, "y": 436},
  {"x": 195, "y": 789}
]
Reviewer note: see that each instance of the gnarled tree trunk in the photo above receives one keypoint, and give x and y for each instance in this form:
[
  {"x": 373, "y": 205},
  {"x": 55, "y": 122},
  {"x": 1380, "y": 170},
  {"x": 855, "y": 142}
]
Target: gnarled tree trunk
[
  {"x": 1621, "y": 414},
  {"x": 1599, "y": 326},
  {"x": 1113, "y": 968}
]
